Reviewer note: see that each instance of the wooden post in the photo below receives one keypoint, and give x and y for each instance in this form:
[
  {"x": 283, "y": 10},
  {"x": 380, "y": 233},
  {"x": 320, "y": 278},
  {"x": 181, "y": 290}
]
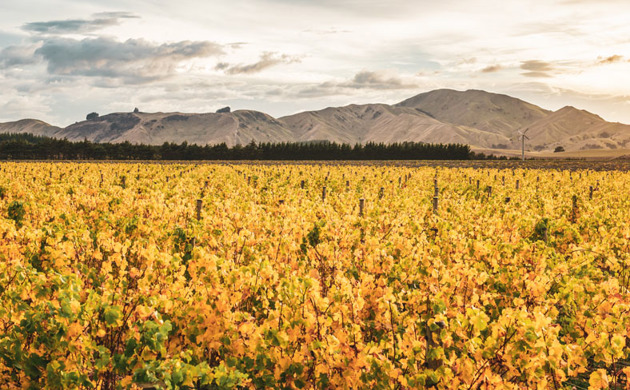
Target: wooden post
[
  {"x": 302, "y": 184},
  {"x": 477, "y": 184},
  {"x": 361, "y": 206},
  {"x": 199, "y": 205},
  {"x": 381, "y": 192},
  {"x": 324, "y": 194},
  {"x": 436, "y": 190},
  {"x": 347, "y": 183},
  {"x": 432, "y": 364},
  {"x": 124, "y": 181},
  {"x": 517, "y": 183},
  {"x": 435, "y": 204},
  {"x": 503, "y": 180},
  {"x": 590, "y": 192},
  {"x": 489, "y": 191}
]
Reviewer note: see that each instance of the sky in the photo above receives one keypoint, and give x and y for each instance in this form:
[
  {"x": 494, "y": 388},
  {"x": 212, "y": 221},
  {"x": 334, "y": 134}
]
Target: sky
[{"x": 62, "y": 59}]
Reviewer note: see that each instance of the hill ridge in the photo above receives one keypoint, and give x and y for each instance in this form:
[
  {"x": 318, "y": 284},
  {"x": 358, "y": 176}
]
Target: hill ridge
[{"x": 474, "y": 117}]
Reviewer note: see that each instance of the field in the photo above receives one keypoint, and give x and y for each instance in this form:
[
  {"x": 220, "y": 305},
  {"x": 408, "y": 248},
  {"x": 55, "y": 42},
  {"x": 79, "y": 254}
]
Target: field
[{"x": 217, "y": 276}]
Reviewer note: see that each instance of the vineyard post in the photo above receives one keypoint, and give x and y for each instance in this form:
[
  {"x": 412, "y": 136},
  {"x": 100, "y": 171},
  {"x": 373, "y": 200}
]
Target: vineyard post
[
  {"x": 477, "y": 184},
  {"x": 199, "y": 205},
  {"x": 503, "y": 180},
  {"x": 574, "y": 209},
  {"x": 517, "y": 183},
  {"x": 347, "y": 183},
  {"x": 489, "y": 191},
  {"x": 436, "y": 190},
  {"x": 435, "y": 205},
  {"x": 381, "y": 192},
  {"x": 324, "y": 194},
  {"x": 590, "y": 194},
  {"x": 432, "y": 364},
  {"x": 302, "y": 184},
  {"x": 361, "y": 206}
]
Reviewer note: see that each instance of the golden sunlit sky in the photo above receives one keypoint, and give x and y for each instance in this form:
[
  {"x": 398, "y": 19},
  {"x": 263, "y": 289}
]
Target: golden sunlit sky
[{"x": 61, "y": 59}]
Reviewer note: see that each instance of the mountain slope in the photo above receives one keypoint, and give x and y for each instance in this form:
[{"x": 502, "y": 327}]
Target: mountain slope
[
  {"x": 32, "y": 126},
  {"x": 575, "y": 129},
  {"x": 477, "y": 118},
  {"x": 232, "y": 128},
  {"x": 381, "y": 123},
  {"x": 482, "y": 110}
]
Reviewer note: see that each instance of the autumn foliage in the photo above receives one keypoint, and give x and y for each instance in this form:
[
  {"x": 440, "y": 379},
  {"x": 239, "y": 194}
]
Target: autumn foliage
[{"x": 110, "y": 283}]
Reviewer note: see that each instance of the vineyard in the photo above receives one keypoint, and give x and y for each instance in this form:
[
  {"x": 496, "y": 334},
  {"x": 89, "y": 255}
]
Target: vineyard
[{"x": 217, "y": 276}]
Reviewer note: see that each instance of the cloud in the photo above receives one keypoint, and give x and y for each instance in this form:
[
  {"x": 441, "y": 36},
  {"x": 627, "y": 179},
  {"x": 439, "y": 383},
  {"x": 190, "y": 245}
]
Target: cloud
[
  {"x": 222, "y": 66},
  {"x": 364, "y": 80},
  {"x": 609, "y": 60},
  {"x": 15, "y": 56},
  {"x": 136, "y": 60},
  {"x": 536, "y": 74},
  {"x": 267, "y": 60},
  {"x": 328, "y": 31},
  {"x": 491, "y": 69},
  {"x": 76, "y": 26},
  {"x": 377, "y": 80},
  {"x": 536, "y": 68}
]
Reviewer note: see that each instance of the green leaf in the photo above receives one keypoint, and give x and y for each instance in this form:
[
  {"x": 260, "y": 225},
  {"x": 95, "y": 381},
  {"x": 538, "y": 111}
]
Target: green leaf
[{"x": 112, "y": 315}]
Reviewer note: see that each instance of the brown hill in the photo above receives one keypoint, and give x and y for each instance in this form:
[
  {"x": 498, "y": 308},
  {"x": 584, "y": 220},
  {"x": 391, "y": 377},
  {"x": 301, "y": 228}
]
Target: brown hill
[
  {"x": 381, "y": 123},
  {"x": 575, "y": 129},
  {"x": 238, "y": 127},
  {"x": 478, "y": 118},
  {"x": 32, "y": 126},
  {"x": 491, "y": 112}
]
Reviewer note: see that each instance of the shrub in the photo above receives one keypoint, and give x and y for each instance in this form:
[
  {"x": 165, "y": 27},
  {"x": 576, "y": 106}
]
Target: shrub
[{"x": 16, "y": 212}]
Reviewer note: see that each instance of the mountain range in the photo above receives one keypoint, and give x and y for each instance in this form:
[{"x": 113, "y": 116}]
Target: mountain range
[{"x": 477, "y": 118}]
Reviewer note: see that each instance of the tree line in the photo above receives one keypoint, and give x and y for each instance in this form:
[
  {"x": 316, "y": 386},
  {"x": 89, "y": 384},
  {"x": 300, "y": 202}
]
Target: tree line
[{"x": 31, "y": 147}]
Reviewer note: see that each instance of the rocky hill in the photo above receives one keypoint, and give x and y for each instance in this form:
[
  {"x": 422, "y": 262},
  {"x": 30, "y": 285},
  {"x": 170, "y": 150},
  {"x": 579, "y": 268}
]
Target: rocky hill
[
  {"x": 32, "y": 126},
  {"x": 478, "y": 118}
]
